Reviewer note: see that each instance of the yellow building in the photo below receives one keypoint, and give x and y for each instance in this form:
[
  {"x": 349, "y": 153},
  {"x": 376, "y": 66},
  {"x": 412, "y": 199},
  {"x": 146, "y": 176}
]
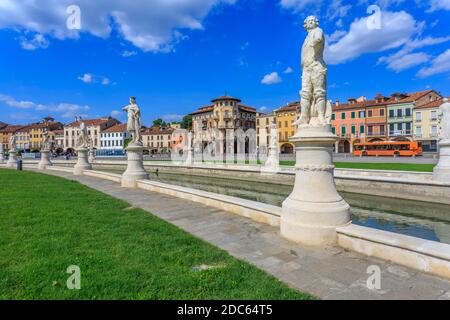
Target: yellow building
[
  {"x": 263, "y": 122},
  {"x": 426, "y": 125},
  {"x": 6, "y": 133},
  {"x": 286, "y": 116},
  {"x": 23, "y": 138},
  {"x": 37, "y": 130}
]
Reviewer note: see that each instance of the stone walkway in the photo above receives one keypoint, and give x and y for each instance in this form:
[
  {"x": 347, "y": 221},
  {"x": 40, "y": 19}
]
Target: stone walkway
[{"x": 333, "y": 273}]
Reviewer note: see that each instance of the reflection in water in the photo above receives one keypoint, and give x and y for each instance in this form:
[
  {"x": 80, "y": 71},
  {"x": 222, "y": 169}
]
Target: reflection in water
[{"x": 419, "y": 219}]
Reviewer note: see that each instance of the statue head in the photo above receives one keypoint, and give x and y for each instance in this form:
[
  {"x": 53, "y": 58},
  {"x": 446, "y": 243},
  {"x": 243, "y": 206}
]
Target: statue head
[
  {"x": 311, "y": 23},
  {"x": 133, "y": 100}
]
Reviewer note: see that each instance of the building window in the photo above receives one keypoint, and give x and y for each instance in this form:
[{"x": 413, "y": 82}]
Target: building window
[
  {"x": 361, "y": 129},
  {"x": 433, "y": 131},
  {"x": 408, "y": 128},
  {"x": 343, "y": 130},
  {"x": 353, "y": 115},
  {"x": 343, "y": 115},
  {"x": 362, "y": 114},
  {"x": 419, "y": 131},
  {"x": 391, "y": 114},
  {"x": 333, "y": 117},
  {"x": 381, "y": 112},
  {"x": 353, "y": 129},
  {"x": 333, "y": 129},
  {"x": 433, "y": 115},
  {"x": 408, "y": 112},
  {"x": 399, "y": 126},
  {"x": 399, "y": 113},
  {"x": 418, "y": 116}
]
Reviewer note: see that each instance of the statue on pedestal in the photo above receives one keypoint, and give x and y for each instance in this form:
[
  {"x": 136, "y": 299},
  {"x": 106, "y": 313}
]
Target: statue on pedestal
[
  {"x": 134, "y": 122},
  {"x": 83, "y": 138},
  {"x": 13, "y": 143},
  {"x": 46, "y": 144},
  {"x": 316, "y": 110}
]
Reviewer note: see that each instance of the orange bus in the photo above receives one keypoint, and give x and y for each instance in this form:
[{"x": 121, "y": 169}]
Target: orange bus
[{"x": 388, "y": 148}]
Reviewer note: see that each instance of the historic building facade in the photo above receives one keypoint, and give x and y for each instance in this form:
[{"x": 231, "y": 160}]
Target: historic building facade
[
  {"x": 263, "y": 122},
  {"x": 158, "y": 140},
  {"x": 113, "y": 138},
  {"x": 426, "y": 125},
  {"x": 5, "y": 134},
  {"x": 217, "y": 123},
  {"x": 94, "y": 126},
  {"x": 286, "y": 116}
]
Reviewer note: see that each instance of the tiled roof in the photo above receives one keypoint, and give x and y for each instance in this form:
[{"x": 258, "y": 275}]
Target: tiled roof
[
  {"x": 290, "y": 107},
  {"x": 117, "y": 128},
  {"x": 89, "y": 122},
  {"x": 23, "y": 129},
  {"x": 211, "y": 108},
  {"x": 203, "y": 110},
  {"x": 45, "y": 125},
  {"x": 157, "y": 131},
  {"x": 11, "y": 129},
  {"x": 226, "y": 98},
  {"x": 432, "y": 104},
  {"x": 57, "y": 132}
]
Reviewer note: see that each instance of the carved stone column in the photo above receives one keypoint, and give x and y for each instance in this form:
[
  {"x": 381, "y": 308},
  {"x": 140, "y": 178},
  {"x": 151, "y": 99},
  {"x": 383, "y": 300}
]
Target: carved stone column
[
  {"x": 82, "y": 161},
  {"x": 135, "y": 167},
  {"x": 314, "y": 210},
  {"x": 190, "y": 157},
  {"x": 45, "y": 160}
]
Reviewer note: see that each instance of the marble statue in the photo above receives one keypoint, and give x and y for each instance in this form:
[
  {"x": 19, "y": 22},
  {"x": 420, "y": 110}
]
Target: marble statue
[
  {"x": 273, "y": 134},
  {"x": 444, "y": 120},
  {"x": 134, "y": 122},
  {"x": 46, "y": 144},
  {"x": 190, "y": 140},
  {"x": 13, "y": 143},
  {"x": 315, "y": 109},
  {"x": 83, "y": 139}
]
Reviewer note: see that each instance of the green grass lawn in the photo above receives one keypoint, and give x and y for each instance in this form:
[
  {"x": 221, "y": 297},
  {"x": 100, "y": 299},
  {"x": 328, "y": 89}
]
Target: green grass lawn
[
  {"x": 48, "y": 223},
  {"x": 377, "y": 166}
]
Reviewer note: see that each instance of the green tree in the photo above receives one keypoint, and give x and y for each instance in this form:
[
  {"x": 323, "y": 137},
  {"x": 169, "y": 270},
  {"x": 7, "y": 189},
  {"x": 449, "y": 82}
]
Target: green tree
[
  {"x": 159, "y": 123},
  {"x": 186, "y": 123}
]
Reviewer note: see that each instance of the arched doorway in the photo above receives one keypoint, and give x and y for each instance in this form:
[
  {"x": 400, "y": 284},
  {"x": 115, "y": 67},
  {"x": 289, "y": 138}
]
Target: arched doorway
[
  {"x": 344, "y": 146},
  {"x": 287, "y": 148}
]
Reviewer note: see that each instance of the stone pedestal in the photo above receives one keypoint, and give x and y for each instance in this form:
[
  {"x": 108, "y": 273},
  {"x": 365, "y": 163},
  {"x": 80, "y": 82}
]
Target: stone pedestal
[
  {"x": 314, "y": 210},
  {"x": 82, "y": 162},
  {"x": 442, "y": 170},
  {"x": 45, "y": 160},
  {"x": 91, "y": 156},
  {"x": 135, "y": 167},
  {"x": 190, "y": 157},
  {"x": 272, "y": 164},
  {"x": 12, "y": 160}
]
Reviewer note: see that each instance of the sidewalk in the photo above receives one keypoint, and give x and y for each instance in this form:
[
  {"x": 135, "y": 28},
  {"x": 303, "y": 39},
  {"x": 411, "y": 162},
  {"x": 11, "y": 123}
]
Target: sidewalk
[{"x": 328, "y": 274}]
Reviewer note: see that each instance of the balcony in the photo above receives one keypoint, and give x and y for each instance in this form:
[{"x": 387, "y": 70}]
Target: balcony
[
  {"x": 376, "y": 134},
  {"x": 400, "y": 133}
]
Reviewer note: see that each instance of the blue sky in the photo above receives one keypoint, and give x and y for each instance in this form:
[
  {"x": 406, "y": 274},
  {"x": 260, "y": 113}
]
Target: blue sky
[{"x": 176, "y": 55}]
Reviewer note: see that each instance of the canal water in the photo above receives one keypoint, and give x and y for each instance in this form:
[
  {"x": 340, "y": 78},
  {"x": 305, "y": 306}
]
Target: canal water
[{"x": 414, "y": 218}]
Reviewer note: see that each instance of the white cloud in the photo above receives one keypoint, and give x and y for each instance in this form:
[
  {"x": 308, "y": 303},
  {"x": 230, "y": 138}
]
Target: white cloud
[
  {"x": 263, "y": 110},
  {"x": 288, "y": 70},
  {"x": 86, "y": 78},
  {"x": 440, "y": 4},
  {"x": 128, "y": 53},
  {"x": 37, "y": 42},
  {"x": 397, "y": 28},
  {"x": 151, "y": 25},
  {"x": 172, "y": 117},
  {"x": 66, "y": 110},
  {"x": 404, "y": 59},
  {"x": 271, "y": 78},
  {"x": 337, "y": 9},
  {"x": 91, "y": 78},
  {"x": 116, "y": 114},
  {"x": 298, "y": 5},
  {"x": 440, "y": 64}
]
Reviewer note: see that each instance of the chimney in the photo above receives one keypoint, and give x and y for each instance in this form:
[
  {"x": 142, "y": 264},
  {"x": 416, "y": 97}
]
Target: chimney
[{"x": 337, "y": 103}]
